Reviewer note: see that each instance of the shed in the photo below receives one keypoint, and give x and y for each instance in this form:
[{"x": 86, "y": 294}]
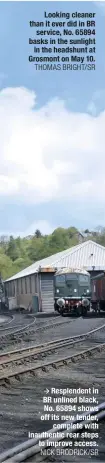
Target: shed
[{"x": 34, "y": 285}]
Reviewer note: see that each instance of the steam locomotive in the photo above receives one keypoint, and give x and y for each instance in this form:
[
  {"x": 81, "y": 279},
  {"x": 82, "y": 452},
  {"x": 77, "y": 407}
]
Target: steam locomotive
[{"x": 72, "y": 291}]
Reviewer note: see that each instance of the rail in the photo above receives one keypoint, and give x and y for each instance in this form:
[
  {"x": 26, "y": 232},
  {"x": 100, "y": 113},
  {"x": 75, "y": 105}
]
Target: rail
[
  {"x": 15, "y": 334},
  {"x": 15, "y": 331},
  {"x": 50, "y": 344},
  {"x": 32, "y": 352},
  {"x": 6, "y": 322}
]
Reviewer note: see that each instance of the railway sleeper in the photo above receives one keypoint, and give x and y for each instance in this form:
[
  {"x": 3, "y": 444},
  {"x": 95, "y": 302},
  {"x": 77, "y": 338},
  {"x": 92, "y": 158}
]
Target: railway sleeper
[
  {"x": 44, "y": 369},
  {"x": 73, "y": 359},
  {"x": 33, "y": 373},
  {"x": 65, "y": 362},
  {"x": 7, "y": 381},
  {"x": 18, "y": 377},
  {"x": 18, "y": 362},
  {"x": 89, "y": 353},
  {"x": 99, "y": 349}
]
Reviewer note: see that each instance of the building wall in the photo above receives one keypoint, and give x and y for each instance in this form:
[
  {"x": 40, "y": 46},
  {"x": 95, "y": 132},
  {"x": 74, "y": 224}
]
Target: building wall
[
  {"x": 12, "y": 303},
  {"x": 21, "y": 291},
  {"x": 47, "y": 291}
]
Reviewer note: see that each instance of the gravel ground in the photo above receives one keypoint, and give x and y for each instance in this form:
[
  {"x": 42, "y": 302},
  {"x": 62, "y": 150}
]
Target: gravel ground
[
  {"x": 75, "y": 328},
  {"x": 71, "y": 327},
  {"x": 3, "y": 320},
  {"x": 21, "y": 403}
]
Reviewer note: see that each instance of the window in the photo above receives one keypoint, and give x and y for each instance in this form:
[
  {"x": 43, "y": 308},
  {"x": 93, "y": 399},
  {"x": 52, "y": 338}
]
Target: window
[
  {"x": 71, "y": 276},
  {"x": 83, "y": 279},
  {"x": 10, "y": 289},
  {"x": 17, "y": 286},
  {"x": 13, "y": 288},
  {"x": 59, "y": 279},
  {"x": 21, "y": 285},
  {"x": 7, "y": 289},
  {"x": 35, "y": 283},
  {"x": 30, "y": 283},
  {"x": 25, "y": 285}
]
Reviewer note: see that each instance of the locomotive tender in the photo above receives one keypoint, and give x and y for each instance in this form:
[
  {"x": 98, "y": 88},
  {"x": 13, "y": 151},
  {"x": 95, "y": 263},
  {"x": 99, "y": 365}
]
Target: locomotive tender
[{"x": 72, "y": 291}]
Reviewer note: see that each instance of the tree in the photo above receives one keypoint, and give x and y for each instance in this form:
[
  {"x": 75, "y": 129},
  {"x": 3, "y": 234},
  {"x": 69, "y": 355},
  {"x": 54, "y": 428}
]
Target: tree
[
  {"x": 59, "y": 240},
  {"x": 86, "y": 231},
  {"x": 13, "y": 250},
  {"x": 5, "y": 266},
  {"x": 38, "y": 234},
  {"x": 18, "y": 253},
  {"x": 19, "y": 264},
  {"x": 72, "y": 231}
]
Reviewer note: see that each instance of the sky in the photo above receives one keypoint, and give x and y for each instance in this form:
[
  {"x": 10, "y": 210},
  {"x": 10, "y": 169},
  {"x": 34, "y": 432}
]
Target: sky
[{"x": 52, "y": 129}]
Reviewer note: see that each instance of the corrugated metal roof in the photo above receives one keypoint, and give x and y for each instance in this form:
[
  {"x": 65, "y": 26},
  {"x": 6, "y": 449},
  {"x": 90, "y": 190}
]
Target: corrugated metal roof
[
  {"x": 71, "y": 270},
  {"x": 86, "y": 255}
]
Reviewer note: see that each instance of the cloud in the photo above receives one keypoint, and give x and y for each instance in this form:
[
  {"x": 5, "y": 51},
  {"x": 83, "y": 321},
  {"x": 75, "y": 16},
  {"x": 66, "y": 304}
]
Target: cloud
[
  {"x": 49, "y": 153},
  {"x": 97, "y": 103},
  {"x": 2, "y": 77},
  {"x": 43, "y": 225}
]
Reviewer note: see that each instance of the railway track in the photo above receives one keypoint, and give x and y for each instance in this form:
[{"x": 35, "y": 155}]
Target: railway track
[
  {"x": 31, "y": 447},
  {"x": 15, "y": 324},
  {"x": 14, "y": 334},
  {"x": 5, "y": 323},
  {"x": 50, "y": 324},
  {"x": 14, "y": 329},
  {"x": 12, "y": 362},
  {"x": 9, "y": 328}
]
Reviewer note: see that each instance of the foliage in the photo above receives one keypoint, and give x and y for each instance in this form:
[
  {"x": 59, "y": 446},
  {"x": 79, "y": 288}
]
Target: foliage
[
  {"x": 19, "y": 253},
  {"x": 38, "y": 234},
  {"x": 5, "y": 265}
]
